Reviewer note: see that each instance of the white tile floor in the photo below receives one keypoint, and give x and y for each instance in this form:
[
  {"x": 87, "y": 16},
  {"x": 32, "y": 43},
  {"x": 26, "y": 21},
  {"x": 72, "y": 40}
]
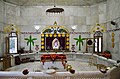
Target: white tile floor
[{"x": 37, "y": 66}]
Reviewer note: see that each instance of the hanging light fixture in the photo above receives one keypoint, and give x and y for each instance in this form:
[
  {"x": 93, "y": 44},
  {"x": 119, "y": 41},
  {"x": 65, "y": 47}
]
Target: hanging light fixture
[
  {"x": 73, "y": 27},
  {"x": 55, "y": 9},
  {"x": 37, "y": 27}
]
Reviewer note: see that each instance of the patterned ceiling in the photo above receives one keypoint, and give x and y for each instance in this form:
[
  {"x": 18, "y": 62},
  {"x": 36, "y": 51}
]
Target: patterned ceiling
[{"x": 57, "y": 2}]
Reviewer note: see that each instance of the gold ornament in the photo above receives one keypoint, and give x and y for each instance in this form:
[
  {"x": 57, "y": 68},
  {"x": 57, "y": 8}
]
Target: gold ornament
[
  {"x": 42, "y": 47},
  {"x": 63, "y": 35},
  {"x": 113, "y": 34},
  {"x": 67, "y": 35},
  {"x": 42, "y": 43},
  {"x": 113, "y": 45},
  {"x": 69, "y": 67},
  {"x": 42, "y": 35},
  {"x": 59, "y": 35},
  {"x": 67, "y": 39},
  {"x": 67, "y": 43},
  {"x": 50, "y": 35},
  {"x": 46, "y": 35},
  {"x": 11, "y": 28},
  {"x": 55, "y": 35},
  {"x": 67, "y": 47},
  {"x": 42, "y": 39},
  {"x": 112, "y": 39}
]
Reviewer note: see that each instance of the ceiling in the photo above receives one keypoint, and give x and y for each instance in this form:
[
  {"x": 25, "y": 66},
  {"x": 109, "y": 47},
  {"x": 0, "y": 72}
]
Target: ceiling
[{"x": 57, "y": 2}]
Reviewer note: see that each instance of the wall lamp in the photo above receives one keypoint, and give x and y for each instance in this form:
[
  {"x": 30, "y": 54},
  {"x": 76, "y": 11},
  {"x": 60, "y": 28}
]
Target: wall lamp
[
  {"x": 37, "y": 27},
  {"x": 73, "y": 27}
]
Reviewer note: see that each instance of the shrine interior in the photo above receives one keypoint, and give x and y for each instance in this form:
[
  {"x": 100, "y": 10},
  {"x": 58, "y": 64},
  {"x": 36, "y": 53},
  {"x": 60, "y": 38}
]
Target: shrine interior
[{"x": 59, "y": 36}]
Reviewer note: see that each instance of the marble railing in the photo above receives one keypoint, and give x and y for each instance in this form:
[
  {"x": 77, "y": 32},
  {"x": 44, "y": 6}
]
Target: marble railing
[
  {"x": 57, "y": 75},
  {"x": 113, "y": 73},
  {"x": 86, "y": 57},
  {"x": 105, "y": 61}
]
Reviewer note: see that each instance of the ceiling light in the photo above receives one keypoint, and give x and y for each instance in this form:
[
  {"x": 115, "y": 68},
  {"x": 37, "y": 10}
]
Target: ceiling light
[{"x": 55, "y": 9}]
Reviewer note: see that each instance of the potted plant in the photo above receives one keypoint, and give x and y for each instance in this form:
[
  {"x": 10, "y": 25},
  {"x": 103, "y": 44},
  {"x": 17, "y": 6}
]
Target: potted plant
[{"x": 107, "y": 54}]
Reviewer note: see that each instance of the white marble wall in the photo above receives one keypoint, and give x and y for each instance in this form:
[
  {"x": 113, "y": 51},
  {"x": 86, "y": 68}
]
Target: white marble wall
[
  {"x": 1, "y": 27},
  {"x": 113, "y": 7},
  {"x": 85, "y": 17},
  {"x": 113, "y": 12},
  {"x": 8, "y": 15},
  {"x": 12, "y": 13},
  {"x": 23, "y": 43},
  {"x": 73, "y": 15}
]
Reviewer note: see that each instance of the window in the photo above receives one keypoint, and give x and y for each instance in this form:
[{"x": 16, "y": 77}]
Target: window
[
  {"x": 13, "y": 42},
  {"x": 98, "y": 42}
]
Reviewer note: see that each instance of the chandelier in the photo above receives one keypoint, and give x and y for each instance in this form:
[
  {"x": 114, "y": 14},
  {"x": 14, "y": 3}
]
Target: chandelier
[{"x": 55, "y": 9}]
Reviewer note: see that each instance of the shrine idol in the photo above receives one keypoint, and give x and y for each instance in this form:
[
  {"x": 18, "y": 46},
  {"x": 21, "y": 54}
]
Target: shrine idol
[{"x": 55, "y": 44}]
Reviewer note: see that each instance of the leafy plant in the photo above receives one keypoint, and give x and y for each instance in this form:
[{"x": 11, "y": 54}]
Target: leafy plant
[
  {"x": 107, "y": 51},
  {"x": 79, "y": 40},
  {"x": 30, "y": 41}
]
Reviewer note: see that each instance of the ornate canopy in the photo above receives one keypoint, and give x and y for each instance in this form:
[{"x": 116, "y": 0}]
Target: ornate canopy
[
  {"x": 55, "y": 29},
  {"x": 55, "y": 32}
]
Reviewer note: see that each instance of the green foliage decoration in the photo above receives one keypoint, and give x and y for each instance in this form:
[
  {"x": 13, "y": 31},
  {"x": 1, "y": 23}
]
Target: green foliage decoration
[
  {"x": 30, "y": 41},
  {"x": 79, "y": 41}
]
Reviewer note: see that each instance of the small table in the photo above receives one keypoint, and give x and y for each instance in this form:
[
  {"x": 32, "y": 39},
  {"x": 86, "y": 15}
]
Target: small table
[{"x": 53, "y": 57}]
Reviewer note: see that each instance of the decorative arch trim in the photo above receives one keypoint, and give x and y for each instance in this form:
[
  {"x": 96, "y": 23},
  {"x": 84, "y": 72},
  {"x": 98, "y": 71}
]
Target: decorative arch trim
[{"x": 55, "y": 29}]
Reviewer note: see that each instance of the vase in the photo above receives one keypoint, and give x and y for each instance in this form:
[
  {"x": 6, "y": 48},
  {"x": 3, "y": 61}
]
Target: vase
[
  {"x": 73, "y": 48},
  {"x": 36, "y": 48}
]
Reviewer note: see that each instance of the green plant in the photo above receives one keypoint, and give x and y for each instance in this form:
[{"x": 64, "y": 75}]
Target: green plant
[
  {"x": 30, "y": 41},
  {"x": 79, "y": 40},
  {"x": 107, "y": 51}
]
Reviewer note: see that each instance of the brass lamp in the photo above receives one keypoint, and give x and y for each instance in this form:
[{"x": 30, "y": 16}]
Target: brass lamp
[{"x": 69, "y": 67}]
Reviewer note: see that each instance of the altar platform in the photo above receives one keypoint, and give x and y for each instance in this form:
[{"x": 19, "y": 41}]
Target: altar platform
[{"x": 79, "y": 61}]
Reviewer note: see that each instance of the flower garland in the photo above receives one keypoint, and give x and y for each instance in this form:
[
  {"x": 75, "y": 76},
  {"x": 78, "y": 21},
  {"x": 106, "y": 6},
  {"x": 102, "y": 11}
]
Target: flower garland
[
  {"x": 30, "y": 32},
  {"x": 110, "y": 30}
]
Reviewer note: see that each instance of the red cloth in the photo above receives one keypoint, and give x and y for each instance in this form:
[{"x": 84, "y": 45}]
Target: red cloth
[{"x": 53, "y": 57}]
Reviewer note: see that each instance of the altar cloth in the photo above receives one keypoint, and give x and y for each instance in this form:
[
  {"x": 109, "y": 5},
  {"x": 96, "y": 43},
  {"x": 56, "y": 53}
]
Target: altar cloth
[
  {"x": 53, "y": 58},
  {"x": 56, "y": 65}
]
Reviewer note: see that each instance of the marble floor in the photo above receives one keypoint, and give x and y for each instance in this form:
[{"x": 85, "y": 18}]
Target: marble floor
[{"x": 38, "y": 66}]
